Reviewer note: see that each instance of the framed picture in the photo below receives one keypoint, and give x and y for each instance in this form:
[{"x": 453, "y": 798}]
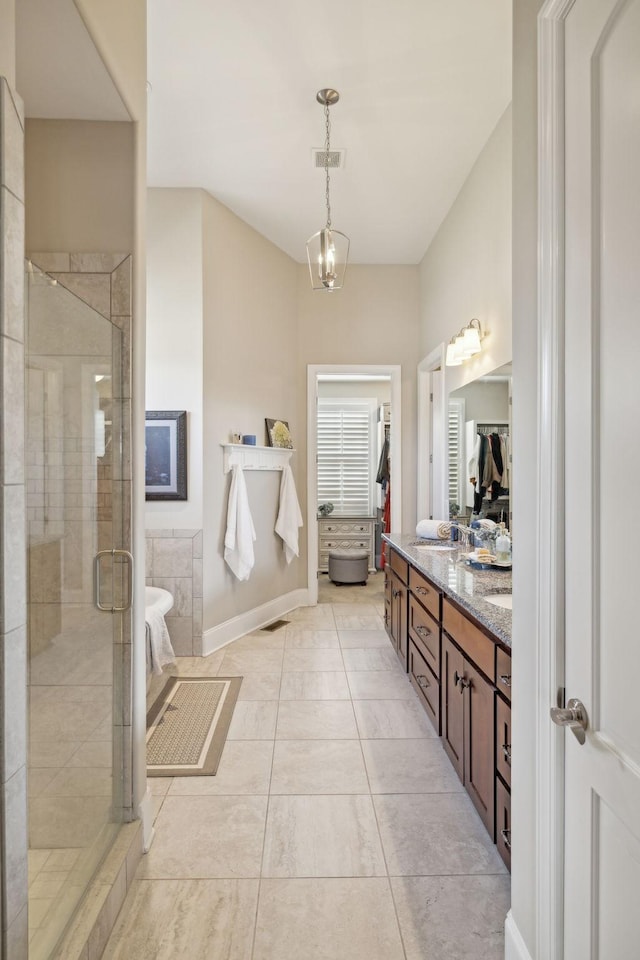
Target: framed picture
[
  {"x": 165, "y": 436},
  {"x": 278, "y": 433}
]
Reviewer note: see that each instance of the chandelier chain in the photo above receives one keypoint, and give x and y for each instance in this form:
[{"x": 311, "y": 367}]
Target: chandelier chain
[{"x": 326, "y": 163}]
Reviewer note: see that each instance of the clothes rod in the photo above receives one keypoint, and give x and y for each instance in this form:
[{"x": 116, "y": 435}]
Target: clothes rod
[{"x": 250, "y": 457}]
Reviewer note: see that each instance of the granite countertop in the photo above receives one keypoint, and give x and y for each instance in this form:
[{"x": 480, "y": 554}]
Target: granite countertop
[{"x": 467, "y": 586}]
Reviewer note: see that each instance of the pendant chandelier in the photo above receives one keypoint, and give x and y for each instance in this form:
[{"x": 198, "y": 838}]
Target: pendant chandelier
[{"x": 328, "y": 249}]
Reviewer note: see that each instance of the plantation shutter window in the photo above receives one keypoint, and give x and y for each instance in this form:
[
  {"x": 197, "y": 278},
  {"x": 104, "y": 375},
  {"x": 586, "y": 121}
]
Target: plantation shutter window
[
  {"x": 457, "y": 467},
  {"x": 345, "y": 455}
]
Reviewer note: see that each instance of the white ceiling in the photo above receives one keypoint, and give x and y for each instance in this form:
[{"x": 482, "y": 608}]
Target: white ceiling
[
  {"x": 232, "y": 109},
  {"x": 232, "y": 106}
]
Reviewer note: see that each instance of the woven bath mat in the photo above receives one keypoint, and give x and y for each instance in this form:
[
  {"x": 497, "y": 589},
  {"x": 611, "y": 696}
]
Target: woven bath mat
[{"x": 187, "y": 726}]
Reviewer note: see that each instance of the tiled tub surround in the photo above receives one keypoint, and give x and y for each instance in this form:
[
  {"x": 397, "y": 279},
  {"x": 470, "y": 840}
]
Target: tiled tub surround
[
  {"x": 335, "y": 826},
  {"x": 174, "y": 562},
  {"x": 468, "y": 587},
  {"x": 13, "y": 609}
]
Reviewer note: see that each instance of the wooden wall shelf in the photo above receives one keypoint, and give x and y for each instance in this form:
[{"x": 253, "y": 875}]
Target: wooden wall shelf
[{"x": 255, "y": 458}]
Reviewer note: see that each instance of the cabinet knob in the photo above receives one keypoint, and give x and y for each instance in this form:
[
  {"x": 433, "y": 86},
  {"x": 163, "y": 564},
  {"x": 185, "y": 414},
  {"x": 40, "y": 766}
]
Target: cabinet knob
[
  {"x": 422, "y": 681},
  {"x": 506, "y": 679},
  {"x": 506, "y": 750},
  {"x": 395, "y": 593},
  {"x": 422, "y": 590},
  {"x": 456, "y": 678},
  {"x": 423, "y": 631},
  {"x": 506, "y": 836}
]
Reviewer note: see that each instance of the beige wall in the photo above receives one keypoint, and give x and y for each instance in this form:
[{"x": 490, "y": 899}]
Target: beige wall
[
  {"x": 250, "y": 339},
  {"x": 174, "y": 368},
  {"x": 485, "y": 401},
  {"x": 118, "y": 28},
  {"x": 80, "y": 180},
  {"x": 374, "y": 319},
  {"x": 8, "y": 41},
  {"x": 466, "y": 271}
]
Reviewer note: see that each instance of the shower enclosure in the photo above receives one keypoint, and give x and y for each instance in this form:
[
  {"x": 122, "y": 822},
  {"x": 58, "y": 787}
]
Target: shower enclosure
[{"x": 79, "y": 578}]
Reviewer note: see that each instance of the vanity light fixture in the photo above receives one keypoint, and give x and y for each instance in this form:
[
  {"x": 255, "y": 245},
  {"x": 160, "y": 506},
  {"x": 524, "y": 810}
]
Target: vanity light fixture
[
  {"x": 465, "y": 344},
  {"x": 328, "y": 249}
]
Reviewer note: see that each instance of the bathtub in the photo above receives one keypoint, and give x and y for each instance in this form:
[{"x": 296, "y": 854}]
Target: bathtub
[
  {"x": 157, "y": 601},
  {"x": 159, "y": 598}
]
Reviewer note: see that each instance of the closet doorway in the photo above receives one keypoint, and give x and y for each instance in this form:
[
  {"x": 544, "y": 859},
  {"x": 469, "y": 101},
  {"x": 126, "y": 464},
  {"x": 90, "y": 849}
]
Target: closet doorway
[{"x": 324, "y": 379}]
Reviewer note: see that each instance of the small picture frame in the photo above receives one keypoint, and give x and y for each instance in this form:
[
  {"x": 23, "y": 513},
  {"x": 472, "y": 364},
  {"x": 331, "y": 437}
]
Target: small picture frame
[
  {"x": 165, "y": 454},
  {"x": 278, "y": 433}
]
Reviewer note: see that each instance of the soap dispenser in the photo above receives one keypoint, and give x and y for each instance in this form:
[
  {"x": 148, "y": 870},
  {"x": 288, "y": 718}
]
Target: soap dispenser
[{"x": 503, "y": 546}]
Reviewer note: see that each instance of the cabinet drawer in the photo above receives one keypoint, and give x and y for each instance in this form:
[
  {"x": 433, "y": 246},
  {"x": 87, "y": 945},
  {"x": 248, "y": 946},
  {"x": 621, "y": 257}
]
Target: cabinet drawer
[
  {"x": 426, "y": 593},
  {"x": 503, "y": 673},
  {"x": 399, "y": 565},
  {"x": 503, "y": 822},
  {"x": 503, "y": 740},
  {"x": 425, "y": 633},
  {"x": 345, "y": 527},
  {"x": 425, "y": 683},
  {"x": 470, "y": 639}
]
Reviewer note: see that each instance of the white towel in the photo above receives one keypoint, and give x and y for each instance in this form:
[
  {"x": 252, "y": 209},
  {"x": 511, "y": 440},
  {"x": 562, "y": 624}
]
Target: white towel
[
  {"x": 289, "y": 516},
  {"x": 434, "y": 529},
  {"x": 238, "y": 541},
  {"x": 159, "y": 641}
]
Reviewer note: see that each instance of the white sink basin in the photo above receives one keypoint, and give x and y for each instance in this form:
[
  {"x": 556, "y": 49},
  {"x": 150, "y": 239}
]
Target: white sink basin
[
  {"x": 436, "y": 545},
  {"x": 499, "y": 600}
]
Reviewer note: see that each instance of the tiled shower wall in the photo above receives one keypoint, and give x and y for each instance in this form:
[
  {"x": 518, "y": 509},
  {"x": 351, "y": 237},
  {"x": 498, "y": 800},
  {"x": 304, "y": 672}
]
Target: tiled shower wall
[
  {"x": 174, "y": 562},
  {"x": 13, "y": 607}
]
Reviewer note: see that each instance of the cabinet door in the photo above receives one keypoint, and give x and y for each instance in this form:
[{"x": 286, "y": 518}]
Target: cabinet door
[
  {"x": 452, "y": 671},
  {"x": 399, "y": 617},
  {"x": 387, "y": 601},
  {"x": 479, "y": 757}
]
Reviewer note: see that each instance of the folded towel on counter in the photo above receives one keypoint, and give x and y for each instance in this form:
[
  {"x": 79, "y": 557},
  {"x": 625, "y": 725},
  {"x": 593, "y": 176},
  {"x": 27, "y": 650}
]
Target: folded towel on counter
[
  {"x": 160, "y": 647},
  {"x": 289, "y": 515},
  {"x": 434, "y": 529},
  {"x": 240, "y": 535}
]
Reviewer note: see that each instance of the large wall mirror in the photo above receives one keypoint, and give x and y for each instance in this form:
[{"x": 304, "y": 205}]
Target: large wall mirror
[{"x": 479, "y": 448}]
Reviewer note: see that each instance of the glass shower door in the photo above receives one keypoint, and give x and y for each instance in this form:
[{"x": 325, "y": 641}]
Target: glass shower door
[{"x": 75, "y": 512}]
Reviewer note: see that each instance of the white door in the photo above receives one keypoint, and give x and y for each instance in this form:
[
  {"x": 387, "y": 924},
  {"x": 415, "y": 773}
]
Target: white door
[{"x": 602, "y": 438}]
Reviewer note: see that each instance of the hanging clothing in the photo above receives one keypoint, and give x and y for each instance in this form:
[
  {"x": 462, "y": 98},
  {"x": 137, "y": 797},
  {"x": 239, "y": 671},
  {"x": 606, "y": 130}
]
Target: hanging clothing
[
  {"x": 488, "y": 468},
  {"x": 240, "y": 535},
  {"x": 289, "y": 515},
  {"x": 383, "y": 476}
]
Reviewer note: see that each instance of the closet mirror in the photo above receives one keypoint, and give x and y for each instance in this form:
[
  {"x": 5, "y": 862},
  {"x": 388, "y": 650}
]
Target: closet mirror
[{"x": 479, "y": 447}]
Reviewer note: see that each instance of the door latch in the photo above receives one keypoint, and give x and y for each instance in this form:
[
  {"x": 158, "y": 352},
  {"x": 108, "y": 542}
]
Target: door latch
[{"x": 573, "y": 716}]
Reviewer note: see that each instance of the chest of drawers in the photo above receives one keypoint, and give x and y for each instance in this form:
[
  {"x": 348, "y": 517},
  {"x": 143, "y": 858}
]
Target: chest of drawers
[{"x": 345, "y": 533}]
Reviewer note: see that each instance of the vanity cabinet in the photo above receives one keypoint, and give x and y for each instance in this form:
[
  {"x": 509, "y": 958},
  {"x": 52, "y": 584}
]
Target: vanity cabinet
[
  {"x": 396, "y": 580},
  {"x": 345, "y": 533},
  {"x": 468, "y": 709},
  {"x": 462, "y": 674}
]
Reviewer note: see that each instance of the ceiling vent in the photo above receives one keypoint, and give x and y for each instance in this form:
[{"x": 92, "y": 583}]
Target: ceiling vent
[{"x": 336, "y": 158}]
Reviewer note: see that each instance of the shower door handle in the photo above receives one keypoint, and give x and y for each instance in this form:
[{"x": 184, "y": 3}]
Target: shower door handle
[{"x": 125, "y": 555}]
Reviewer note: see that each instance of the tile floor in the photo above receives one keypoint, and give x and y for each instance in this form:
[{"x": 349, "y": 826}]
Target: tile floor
[{"x": 335, "y": 827}]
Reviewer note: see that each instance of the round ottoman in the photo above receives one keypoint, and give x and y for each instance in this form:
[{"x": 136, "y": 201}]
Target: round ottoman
[{"x": 348, "y": 566}]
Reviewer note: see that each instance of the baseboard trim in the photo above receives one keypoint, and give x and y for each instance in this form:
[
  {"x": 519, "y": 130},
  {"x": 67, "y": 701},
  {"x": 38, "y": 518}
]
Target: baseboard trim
[
  {"x": 223, "y": 633},
  {"x": 514, "y": 946},
  {"x": 145, "y": 813}
]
